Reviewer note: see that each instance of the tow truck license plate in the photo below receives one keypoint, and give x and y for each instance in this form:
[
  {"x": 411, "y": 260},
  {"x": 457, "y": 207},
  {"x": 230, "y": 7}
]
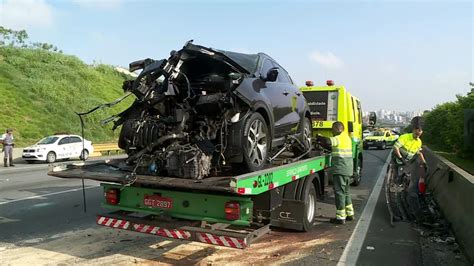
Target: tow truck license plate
[{"x": 158, "y": 201}]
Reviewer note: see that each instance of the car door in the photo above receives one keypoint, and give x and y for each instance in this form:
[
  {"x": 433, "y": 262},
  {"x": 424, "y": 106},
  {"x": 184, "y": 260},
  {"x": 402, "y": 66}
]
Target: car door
[
  {"x": 76, "y": 146},
  {"x": 63, "y": 149},
  {"x": 294, "y": 101},
  {"x": 280, "y": 99}
]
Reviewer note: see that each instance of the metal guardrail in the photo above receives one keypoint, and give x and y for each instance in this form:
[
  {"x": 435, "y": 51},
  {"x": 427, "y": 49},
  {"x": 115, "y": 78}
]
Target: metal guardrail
[{"x": 107, "y": 148}]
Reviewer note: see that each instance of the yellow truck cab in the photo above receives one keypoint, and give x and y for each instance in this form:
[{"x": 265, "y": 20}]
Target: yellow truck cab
[
  {"x": 381, "y": 138},
  {"x": 332, "y": 103}
]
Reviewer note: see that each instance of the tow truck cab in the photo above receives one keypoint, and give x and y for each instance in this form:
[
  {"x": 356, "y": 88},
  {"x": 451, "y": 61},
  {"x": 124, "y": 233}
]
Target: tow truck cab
[{"x": 332, "y": 103}]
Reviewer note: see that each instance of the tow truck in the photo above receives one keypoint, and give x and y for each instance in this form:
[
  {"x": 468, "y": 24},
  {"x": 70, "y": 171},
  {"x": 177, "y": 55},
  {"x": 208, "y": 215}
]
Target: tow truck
[{"x": 226, "y": 210}]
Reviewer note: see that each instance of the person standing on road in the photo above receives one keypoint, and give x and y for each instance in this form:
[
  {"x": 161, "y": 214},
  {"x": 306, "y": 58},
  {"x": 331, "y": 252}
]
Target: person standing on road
[
  {"x": 408, "y": 145},
  {"x": 8, "y": 143},
  {"x": 342, "y": 168}
]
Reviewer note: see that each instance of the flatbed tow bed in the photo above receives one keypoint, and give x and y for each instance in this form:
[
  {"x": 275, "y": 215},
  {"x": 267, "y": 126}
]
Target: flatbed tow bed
[{"x": 226, "y": 210}]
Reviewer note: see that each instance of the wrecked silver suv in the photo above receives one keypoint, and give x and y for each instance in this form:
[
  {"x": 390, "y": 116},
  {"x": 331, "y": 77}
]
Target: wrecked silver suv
[{"x": 203, "y": 110}]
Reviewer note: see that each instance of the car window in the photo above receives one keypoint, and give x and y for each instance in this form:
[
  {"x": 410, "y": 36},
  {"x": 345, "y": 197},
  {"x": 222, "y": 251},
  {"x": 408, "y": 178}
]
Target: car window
[
  {"x": 267, "y": 65},
  {"x": 75, "y": 139},
  {"x": 64, "y": 140},
  {"x": 387, "y": 134},
  {"x": 283, "y": 77}
]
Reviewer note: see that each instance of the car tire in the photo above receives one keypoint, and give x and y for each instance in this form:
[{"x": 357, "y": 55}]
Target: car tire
[
  {"x": 365, "y": 147},
  {"x": 84, "y": 155},
  {"x": 384, "y": 146},
  {"x": 310, "y": 198},
  {"x": 256, "y": 141},
  {"x": 306, "y": 137},
  {"x": 357, "y": 177},
  {"x": 51, "y": 157}
]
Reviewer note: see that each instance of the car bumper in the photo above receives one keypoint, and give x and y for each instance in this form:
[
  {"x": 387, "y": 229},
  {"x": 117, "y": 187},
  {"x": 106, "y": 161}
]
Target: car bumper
[
  {"x": 33, "y": 157},
  {"x": 373, "y": 143}
]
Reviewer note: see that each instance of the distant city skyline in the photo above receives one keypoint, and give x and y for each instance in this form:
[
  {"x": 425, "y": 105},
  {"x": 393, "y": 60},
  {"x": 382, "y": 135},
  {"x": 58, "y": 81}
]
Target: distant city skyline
[{"x": 395, "y": 55}]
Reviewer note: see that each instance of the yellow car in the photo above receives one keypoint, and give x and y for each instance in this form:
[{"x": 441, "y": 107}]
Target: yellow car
[{"x": 380, "y": 139}]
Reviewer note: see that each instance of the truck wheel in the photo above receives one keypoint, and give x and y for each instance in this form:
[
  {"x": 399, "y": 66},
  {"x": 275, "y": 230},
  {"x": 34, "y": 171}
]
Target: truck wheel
[
  {"x": 357, "y": 177},
  {"x": 309, "y": 198},
  {"x": 51, "y": 157},
  {"x": 255, "y": 142}
]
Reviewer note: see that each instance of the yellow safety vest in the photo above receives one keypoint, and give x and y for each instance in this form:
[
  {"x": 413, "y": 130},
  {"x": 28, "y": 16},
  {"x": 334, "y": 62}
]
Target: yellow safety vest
[
  {"x": 342, "y": 160},
  {"x": 408, "y": 145}
]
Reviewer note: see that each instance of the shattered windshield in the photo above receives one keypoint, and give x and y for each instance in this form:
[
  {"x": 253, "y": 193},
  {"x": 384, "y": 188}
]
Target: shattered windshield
[{"x": 247, "y": 61}]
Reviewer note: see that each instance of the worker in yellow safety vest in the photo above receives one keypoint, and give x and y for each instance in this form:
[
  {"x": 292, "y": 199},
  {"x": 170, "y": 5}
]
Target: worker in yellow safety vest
[
  {"x": 408, "y": 145},
  {"x": 342, "y": 168}
]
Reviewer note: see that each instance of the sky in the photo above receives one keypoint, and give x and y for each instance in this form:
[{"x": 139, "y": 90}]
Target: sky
[{"x": 393, "y": 55}]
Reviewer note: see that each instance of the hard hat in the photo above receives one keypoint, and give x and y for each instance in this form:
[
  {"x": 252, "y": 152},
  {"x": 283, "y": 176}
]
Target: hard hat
[{"x": 417, "y": 122}]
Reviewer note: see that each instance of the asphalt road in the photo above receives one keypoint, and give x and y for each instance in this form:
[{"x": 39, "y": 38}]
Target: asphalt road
[{"x": 42, "y": 221}]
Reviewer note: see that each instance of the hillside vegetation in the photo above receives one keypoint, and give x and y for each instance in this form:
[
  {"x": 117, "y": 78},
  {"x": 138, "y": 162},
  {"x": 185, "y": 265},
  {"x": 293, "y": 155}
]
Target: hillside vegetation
[{"x": 40, "y": 89}]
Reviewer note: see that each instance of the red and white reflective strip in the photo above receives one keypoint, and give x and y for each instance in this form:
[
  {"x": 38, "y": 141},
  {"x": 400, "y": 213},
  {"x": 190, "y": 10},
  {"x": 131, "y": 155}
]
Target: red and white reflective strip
[
  {"x": 244, "y": 191},
  {"x": 112, "y": 222},
  {"x": 155, "y": 230},
  {"x": 293, "y": 178},
  {"x": 225, "y": 241}
]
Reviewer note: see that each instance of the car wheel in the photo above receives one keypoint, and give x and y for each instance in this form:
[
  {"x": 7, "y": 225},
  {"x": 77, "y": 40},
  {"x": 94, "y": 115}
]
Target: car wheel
[
  {"x": 365, "y": 147},
  {"x": 306, "y": 135},
  {"x": 84, "y": 155},
  {"x": 256, "y": 141},
  {"x": 357, "y": 177},
  {"x": 51, "y": 157},
  {"x": 384, "y": 146}
]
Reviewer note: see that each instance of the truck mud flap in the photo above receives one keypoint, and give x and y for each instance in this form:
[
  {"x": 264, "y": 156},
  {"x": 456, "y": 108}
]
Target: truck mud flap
[
  {"x": 214, "y": 234},
  {"x": 289, "y": 215}
]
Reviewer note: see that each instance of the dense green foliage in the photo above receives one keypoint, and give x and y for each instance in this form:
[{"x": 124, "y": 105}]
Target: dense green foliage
[
  {"x": 444, "y": 125},
  {"x": 41, "y": 89}
]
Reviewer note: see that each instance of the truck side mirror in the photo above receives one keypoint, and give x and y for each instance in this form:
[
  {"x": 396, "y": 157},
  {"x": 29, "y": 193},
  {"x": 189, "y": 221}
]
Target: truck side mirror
[
  {"x": 350, "y": 126},
  {"x": 272, "y": 74}
]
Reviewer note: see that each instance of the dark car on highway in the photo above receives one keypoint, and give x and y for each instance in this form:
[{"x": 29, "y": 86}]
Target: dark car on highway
[{"x": 203, "y": 109}]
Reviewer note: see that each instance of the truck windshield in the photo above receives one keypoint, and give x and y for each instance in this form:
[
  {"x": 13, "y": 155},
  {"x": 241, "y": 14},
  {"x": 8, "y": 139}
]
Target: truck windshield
[{"x": 48, "y": 140}]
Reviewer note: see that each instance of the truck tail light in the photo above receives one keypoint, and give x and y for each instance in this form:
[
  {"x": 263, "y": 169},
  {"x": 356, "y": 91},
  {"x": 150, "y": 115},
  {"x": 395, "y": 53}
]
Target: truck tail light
[
  {"x": 232, "y": 210},
  {"x": 112, "y": 196}
]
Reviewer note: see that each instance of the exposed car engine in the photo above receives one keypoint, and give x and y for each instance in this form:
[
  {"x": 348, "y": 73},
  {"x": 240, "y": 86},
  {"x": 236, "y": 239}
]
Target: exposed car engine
[{"x": 185, "y": 105}]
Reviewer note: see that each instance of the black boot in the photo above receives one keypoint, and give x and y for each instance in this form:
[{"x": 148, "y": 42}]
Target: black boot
[{"x": 5, "y": 162}]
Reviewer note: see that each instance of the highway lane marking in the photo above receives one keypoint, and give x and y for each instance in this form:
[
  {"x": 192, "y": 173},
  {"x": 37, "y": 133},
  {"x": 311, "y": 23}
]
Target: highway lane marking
[
  {"x": 46, "y": 195},
  {"x": 354, "y": 246}
]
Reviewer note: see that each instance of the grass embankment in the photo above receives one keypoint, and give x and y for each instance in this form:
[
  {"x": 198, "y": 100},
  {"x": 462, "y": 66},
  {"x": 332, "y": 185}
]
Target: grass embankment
[{"x": 41, "y": 90}]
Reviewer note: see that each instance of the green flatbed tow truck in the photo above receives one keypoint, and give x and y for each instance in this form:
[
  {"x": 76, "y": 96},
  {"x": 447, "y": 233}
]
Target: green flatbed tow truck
[{"x": 226, "y": 210}]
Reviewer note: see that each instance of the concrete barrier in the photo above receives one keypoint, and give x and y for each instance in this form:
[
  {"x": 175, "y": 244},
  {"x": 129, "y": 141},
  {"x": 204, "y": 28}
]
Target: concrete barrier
[
  {"x": 17, "y": 152},
  {"x": 453, "y": 189}
]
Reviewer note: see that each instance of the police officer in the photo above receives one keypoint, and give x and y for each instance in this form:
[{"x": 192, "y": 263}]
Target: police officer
[
  {"x": 342, "y": 170},
  {"x": 8, "y": 143},
  {"x": 408, "y": 145}
]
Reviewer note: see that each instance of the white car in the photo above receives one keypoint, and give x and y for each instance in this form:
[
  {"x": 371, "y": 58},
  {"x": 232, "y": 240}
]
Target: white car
[{"x": 57, "y": 147}]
